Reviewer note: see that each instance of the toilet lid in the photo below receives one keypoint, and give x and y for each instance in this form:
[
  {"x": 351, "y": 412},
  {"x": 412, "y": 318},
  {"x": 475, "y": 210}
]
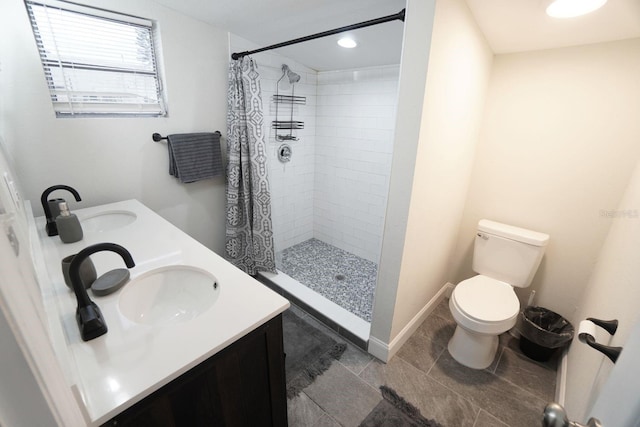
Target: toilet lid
[{"x": 486, "y": 299}]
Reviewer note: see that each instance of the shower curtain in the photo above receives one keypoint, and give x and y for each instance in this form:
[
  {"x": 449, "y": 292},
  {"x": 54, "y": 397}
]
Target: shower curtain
[{"x": 249, "y": 232}]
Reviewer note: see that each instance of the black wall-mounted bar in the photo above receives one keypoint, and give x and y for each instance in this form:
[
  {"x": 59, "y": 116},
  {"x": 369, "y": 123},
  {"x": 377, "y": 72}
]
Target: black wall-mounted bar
[
  {"x": 611, "y": 352},
  {"x": 611, "y": 326},
  {"x": 157, "y": 137},
  {"x": 396, "y": 16}
]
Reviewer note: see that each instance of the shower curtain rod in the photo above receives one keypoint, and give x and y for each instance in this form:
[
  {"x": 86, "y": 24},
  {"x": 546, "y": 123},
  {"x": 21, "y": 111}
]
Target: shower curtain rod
[{"x": 399, "y": 16}]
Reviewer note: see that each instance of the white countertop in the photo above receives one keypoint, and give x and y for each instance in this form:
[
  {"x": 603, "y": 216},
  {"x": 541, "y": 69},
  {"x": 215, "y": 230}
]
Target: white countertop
[{"x": 132, "y": 360}]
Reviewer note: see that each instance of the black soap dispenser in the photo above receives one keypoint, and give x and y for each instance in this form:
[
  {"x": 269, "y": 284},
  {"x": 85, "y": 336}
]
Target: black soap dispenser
[{"x": 68, "y": 225}]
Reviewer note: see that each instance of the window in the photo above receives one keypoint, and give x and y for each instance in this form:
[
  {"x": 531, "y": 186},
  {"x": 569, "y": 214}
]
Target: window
[{"x": 96, "y": 62}]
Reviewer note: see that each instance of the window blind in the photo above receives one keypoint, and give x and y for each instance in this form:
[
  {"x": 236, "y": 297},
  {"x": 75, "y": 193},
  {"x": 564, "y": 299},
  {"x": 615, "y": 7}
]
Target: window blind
[{"x": 96, "y": 62}]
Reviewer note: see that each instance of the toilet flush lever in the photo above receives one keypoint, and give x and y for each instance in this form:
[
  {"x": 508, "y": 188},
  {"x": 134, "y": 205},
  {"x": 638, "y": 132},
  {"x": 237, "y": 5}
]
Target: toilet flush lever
[
  {"x": 483, "y": 236},
  {"x": 555, "y": 416}
]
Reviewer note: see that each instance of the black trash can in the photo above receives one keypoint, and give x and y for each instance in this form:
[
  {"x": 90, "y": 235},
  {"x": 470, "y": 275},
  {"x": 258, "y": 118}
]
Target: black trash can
[{"x": 542, "y": 332}]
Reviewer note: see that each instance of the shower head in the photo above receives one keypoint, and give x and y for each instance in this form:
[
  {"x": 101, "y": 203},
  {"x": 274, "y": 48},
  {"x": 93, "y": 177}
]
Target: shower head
[{"x": 291, "y": 76}]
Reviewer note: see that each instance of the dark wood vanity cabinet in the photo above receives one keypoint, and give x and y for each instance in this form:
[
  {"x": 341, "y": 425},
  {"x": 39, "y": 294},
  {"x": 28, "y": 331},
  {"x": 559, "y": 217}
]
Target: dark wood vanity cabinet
[{"x": 242, "y": 385}]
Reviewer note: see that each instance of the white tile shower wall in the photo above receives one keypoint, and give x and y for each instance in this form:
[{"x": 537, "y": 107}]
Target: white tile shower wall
[
  {"x": 291, "y": 183},
  {"x": 355, "y": 118}
]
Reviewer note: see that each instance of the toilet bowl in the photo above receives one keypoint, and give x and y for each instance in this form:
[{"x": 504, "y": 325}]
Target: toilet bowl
[{"x": 483, "y": 308}]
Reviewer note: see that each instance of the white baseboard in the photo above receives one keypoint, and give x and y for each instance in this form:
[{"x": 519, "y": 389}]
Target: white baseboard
[
  {"x": 384, "y": 351},
  {"x": 378, "y": 349},
  {"x": 561, "y": 378}
]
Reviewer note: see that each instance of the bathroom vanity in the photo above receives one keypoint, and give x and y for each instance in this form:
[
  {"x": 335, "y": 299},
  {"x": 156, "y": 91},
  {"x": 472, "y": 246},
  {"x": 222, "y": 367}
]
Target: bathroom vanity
[
  {"x": 214, "y": 358},
  {"x": 242, "y": 385}
]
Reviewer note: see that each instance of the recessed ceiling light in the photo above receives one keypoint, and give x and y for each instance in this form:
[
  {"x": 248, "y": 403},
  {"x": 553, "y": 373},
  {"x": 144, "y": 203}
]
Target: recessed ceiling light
[
  {"x": 347, "y": 42},
  {"x": 572, "y": 8}
]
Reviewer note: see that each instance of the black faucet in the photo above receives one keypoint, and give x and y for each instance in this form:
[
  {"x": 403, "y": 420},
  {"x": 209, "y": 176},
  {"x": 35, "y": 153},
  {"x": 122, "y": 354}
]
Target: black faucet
[
  {"x": 52, "y": 229},
  {"x": 88, "y": 315}
]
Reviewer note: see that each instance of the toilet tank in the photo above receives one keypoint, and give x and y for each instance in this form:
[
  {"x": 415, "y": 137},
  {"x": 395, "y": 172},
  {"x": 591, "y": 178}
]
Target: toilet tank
[{"x": 507, "y": 253}]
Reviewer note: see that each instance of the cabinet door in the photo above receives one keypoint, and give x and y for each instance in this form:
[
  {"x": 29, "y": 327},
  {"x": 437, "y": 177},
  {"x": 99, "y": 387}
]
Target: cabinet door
[
  {"x": 186, "y": 401},
  {"x": 156, "y": 413},
  {"x": 248, "y": 385},
  {"x": 242, "y": 385}
]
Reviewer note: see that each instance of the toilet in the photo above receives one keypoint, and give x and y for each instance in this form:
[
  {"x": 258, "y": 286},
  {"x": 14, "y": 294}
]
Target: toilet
[{"x": 486, "y": 305}]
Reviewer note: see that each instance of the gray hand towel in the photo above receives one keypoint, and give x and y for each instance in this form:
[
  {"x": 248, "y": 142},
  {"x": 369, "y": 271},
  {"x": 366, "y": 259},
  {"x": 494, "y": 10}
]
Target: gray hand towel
[{"x": 195, "y": 156}]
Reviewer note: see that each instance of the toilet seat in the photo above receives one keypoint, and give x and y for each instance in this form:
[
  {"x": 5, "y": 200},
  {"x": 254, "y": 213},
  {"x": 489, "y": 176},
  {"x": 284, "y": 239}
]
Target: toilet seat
[{"x": 484, "y": 305}]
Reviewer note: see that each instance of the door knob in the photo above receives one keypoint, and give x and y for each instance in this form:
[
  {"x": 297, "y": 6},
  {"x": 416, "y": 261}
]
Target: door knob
[{"x": 555, "y": 416}]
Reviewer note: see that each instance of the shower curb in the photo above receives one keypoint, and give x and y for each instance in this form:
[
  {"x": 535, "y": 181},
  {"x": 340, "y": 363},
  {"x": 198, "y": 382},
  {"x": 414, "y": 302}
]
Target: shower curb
[{"x": 334, "y": 326}]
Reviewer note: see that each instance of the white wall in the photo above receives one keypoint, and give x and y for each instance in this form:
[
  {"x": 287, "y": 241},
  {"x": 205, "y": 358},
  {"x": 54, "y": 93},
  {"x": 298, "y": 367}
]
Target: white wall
[
  {"x": 425, "y": 205},
  {"x": 33, "y": 389},
  {"x": 612, "y": 292},
  {"x": 291, "y": 183},
  {"x": 335, "y": 186},
  {"x": 558, "y": 146},
  {"x": 21, "y": 400},
  {"x": 354, "y": 145},
  {"x": 110, "y": 159}
]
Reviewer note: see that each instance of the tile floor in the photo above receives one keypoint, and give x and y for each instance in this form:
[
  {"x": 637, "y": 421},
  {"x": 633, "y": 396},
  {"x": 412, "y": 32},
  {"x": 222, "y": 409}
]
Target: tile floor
[
  {"x": 338, "y": 275},
  {"x": 512, "y": 392}
]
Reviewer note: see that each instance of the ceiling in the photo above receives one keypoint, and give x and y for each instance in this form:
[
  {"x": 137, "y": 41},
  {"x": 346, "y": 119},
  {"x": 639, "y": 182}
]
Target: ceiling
[
  {"x": 266, "y": 22},
  {"x": 508, "y": 25},
  {"x": 522, "y": 25}
]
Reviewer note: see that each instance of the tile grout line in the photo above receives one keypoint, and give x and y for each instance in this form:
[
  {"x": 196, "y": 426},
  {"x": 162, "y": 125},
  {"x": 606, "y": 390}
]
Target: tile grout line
[
  {"x": 495, "y": 369},
  {"x": 322, "y": 409},
  {"x": 473, "y": 405},
  {"x": 519, "y": 386},
  {"x": 477, "y": 418},
  {"x": 447, "y": 387},
  {"x": 358, "y": 378},
  {"x": 524, "y": 389},
  {"x": 472, "y": 402},
  {"x": 376, "y": 389},
  {"x": 325, "y": 329},
  {"x": 367, "y": 365},
  {"x": 354, "y": 372},
  {"x": 501, "y": 360},
  {"x": 428, "y": 373},
  {"x": 320, "y": 406},
  {"x": 442, "y": 352}
]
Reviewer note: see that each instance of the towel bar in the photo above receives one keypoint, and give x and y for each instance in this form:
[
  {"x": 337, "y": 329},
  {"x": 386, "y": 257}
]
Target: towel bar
[{"x": 157, "y": 137}]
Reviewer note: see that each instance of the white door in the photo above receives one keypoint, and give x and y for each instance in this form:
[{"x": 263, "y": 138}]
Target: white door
[
  {"x": 618, "y": 404},
  {"x": 33, "y": 389}
]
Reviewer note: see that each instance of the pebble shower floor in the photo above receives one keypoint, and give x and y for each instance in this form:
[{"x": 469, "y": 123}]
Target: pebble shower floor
[{"x": 337, "y": 275}]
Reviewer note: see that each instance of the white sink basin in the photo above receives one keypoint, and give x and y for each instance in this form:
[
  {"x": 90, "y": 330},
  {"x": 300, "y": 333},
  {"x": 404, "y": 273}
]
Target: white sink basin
[
  {"x": 167, "y": 295},
  {"x": 106, "y": 221}
]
